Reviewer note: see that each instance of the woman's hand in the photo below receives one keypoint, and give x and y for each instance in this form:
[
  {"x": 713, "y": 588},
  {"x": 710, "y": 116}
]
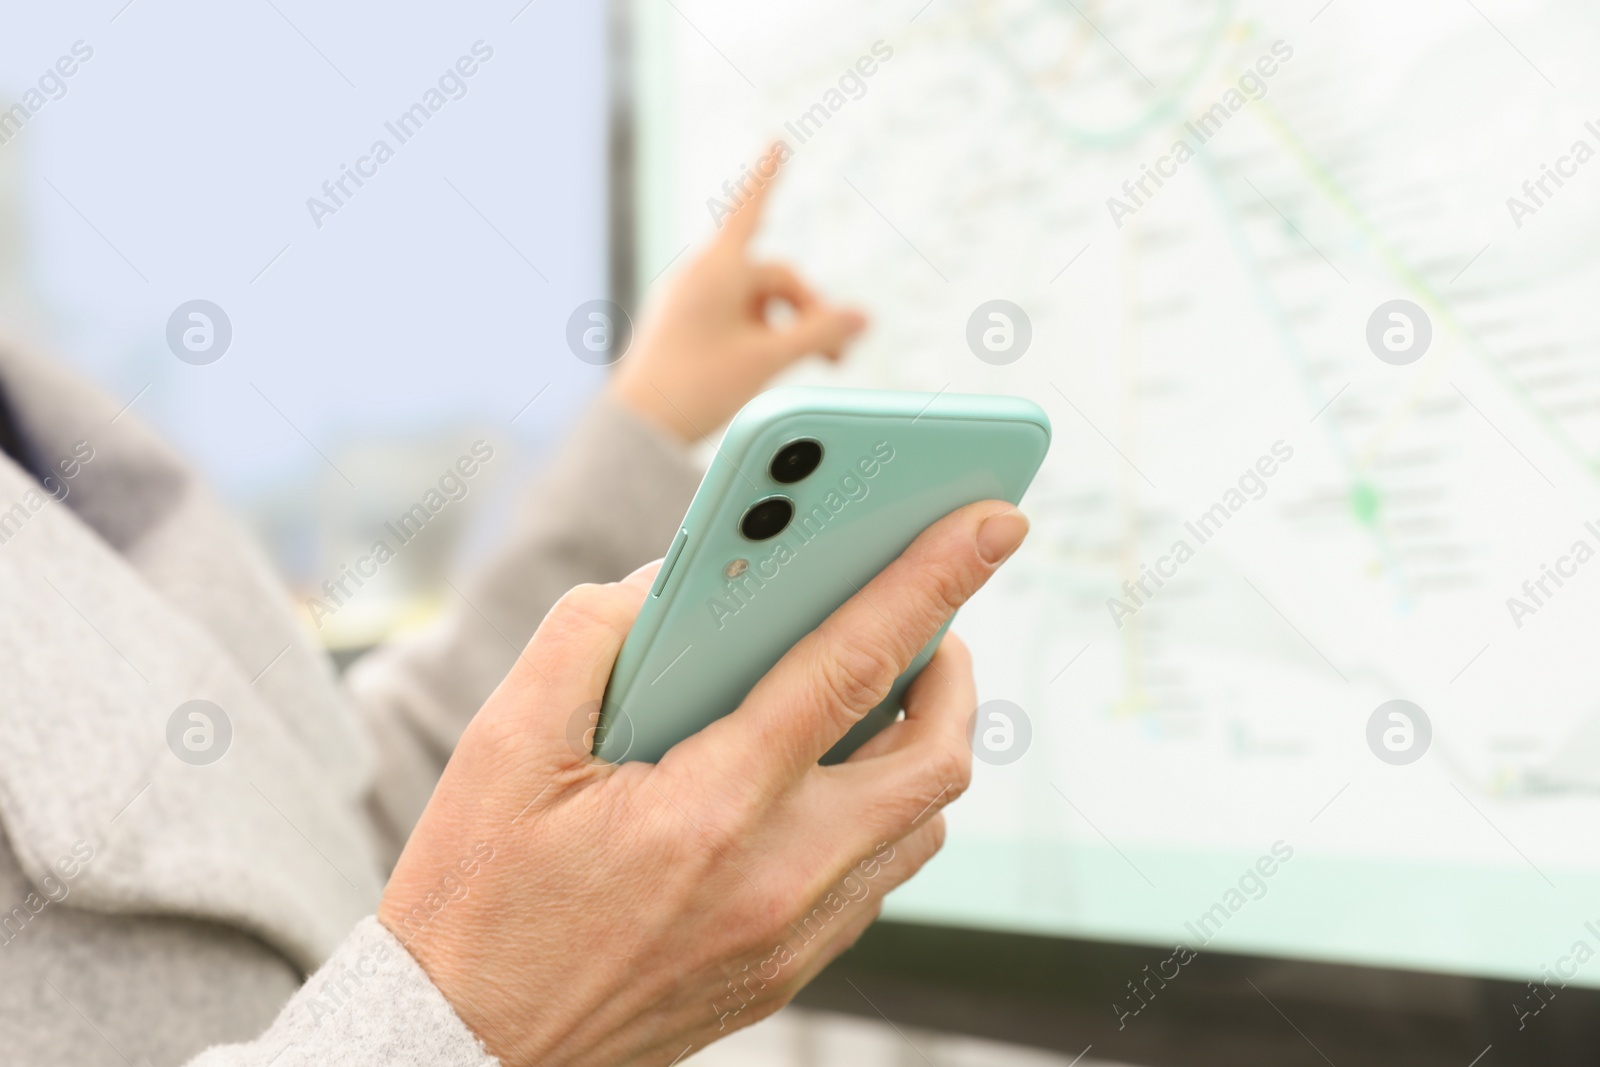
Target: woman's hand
[
  {"x": 577, "y": 912},
  {"x": 710, "y": 347}
]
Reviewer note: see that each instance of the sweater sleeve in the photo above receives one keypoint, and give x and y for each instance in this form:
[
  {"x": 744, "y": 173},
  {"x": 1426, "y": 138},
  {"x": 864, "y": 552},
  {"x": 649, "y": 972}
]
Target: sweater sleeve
[
  {"x": 610, "y": 503},
  {"x": 370, "y": 1005}
]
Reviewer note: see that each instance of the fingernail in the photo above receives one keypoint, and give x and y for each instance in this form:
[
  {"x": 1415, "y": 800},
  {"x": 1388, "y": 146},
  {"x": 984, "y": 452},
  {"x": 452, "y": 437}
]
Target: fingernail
[
  {"x": 854, "y": 321},
  {"x": 1000, "y": 535}
]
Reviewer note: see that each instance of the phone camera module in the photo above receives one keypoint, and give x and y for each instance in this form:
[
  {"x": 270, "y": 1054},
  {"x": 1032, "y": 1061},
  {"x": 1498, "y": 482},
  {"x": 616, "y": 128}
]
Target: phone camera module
[
  {"x": 766, "y": 518},
  {"x": 795, "y": 460}
]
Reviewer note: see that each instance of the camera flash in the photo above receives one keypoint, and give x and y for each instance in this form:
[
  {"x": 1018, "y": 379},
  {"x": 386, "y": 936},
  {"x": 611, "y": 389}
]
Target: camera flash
[{"x": 736, "y": 568}]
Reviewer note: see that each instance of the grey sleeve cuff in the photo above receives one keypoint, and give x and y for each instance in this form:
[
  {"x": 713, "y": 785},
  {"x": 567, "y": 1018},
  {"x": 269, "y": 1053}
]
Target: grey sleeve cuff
[
  {"x": 624, "y": 484},
  {"x": 370, "y": 1005}
]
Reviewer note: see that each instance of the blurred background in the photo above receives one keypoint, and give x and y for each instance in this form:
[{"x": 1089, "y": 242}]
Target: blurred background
[
  {"x": 1344, "y": 240},
  {"x": 370, "y": 346}
]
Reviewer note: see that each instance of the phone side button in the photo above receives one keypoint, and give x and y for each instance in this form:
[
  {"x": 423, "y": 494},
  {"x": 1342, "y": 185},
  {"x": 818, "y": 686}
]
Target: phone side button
[{"x": 667, "y": 564}]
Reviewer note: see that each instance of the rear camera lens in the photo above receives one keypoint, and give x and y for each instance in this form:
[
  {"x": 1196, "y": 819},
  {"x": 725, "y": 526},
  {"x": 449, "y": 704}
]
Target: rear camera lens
[
  {"x": 766, "y": 518},
  {"x": 794, "y": 461}
]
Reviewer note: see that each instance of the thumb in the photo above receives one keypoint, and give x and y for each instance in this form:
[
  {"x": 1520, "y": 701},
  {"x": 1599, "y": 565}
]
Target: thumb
[
  {"x": 549, "y": 701},
  {"x": 819, "y": 328}
]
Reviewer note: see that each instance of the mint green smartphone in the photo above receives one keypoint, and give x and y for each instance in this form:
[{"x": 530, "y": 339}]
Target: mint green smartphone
[{"x": 811, "y": 494}]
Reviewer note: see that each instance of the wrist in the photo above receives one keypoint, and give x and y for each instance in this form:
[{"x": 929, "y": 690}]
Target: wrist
[{"x": 647, "y": 403}]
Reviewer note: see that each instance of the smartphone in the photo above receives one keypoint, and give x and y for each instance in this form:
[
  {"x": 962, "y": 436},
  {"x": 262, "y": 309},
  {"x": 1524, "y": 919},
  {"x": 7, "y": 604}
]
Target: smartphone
[{"x": 811, "y": 493}]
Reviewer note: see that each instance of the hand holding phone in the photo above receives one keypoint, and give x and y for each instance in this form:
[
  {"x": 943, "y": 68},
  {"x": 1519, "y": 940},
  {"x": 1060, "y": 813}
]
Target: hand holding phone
[
  {"x": 811, "y": 494},
  {"x": 734, "y": 855}
]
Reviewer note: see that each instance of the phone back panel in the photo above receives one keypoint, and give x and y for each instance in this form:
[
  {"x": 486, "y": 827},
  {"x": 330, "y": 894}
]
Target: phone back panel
[{"x": 725, "y": 609}]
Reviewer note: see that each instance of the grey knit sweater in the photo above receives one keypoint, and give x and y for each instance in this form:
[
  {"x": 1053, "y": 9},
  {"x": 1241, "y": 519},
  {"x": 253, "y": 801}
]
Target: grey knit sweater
[{"x": 162, "y": 910}]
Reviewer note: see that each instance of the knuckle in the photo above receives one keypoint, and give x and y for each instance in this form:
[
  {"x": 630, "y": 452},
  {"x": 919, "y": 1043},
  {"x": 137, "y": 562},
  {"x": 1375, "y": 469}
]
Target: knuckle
[
  {"x": 858, "y": 674},
  {"x": 920, "y": 847},
  {"x": 723, "y": 838},
  {"x": 954, "y": 764},
  {"x": 943, "y": 773},
  {"x": 949, "y": 771},
  {"x": 937, "y": 829},
  {"x": 949, "y": 584},
  {"x": 759, "y": 918},
  {"x": 775, "y": 914},
  {"x": 716, "y": 830}
]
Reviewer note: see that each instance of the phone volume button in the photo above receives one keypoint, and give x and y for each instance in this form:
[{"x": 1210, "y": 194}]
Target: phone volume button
[{"x": 667, "y": 564}]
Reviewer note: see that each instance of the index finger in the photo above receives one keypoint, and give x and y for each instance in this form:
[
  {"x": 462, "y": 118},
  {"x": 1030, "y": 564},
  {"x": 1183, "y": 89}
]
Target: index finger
[
  {"x": 741, "y": 226},
  {"x": 846, "y": 667}
]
